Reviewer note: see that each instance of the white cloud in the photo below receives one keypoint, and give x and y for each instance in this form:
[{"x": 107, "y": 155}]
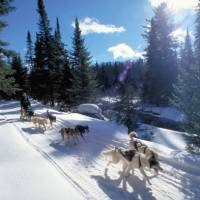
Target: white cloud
[
  {"x": 176, "y": 4},
  {"x": 180, "y": 34},
  {"x": 124, "y": 51},
  {"x": 91, "y": 25}
]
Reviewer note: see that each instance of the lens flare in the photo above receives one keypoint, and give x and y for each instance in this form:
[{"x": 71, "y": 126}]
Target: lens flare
[{"x": 123, "y": 75}]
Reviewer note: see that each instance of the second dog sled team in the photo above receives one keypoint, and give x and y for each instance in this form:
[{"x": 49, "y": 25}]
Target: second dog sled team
[{"x": 41, "y": 122}]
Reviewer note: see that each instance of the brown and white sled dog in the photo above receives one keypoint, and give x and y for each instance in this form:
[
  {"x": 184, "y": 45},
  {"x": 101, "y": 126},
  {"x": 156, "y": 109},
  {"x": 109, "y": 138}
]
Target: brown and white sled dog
[
  {"x": 69, "y": 132},
  {"x": 131, "y": 160},
  {"x": 40, "y": 121}
]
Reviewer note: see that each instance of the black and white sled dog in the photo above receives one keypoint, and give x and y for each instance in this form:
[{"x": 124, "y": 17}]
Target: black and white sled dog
[
  {"x": 81, "y": 130},
  {"x": 131, "y": 159}
]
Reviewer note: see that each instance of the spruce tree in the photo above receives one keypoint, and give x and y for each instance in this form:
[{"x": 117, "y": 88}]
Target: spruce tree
[
  {"x": 45, "y": 60},
  {"x": 63, "y": 74},
  {"x": 5, "y": 8},
  {"x": 7, "y": 82},
  {"x": 29, "y": 57},
  {"x": 161, "y": 57},
  {"x": 84, "y": 83},
  {"x": 8, "y": 87},
  {"x": 187, "y": 54},
  {"x": 182, "y": 89},
  {"x": 38, "y": 74},
  {"x": 187, "y": 96},
  {"x": 20, "y": 73}
]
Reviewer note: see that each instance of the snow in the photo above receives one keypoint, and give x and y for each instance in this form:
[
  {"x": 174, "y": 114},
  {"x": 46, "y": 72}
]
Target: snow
[
  {"x": 78, "y": 171},
  {"x": 89, "y": 108},
  {"x": 110, "y": 100},
  {"x": 169, "y": 138},
  {"x": 165, "y": 112},
  {"x": 25, "y": 173}
]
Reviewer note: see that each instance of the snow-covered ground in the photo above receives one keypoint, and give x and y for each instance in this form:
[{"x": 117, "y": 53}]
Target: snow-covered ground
[
  {"x": 165, "y": 112},
  {"x": 38, "y": 165}
]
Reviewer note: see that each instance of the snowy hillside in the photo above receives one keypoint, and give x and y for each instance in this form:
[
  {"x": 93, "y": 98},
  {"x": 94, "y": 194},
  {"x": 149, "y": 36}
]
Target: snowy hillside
[{"x": 37, "y": 164}]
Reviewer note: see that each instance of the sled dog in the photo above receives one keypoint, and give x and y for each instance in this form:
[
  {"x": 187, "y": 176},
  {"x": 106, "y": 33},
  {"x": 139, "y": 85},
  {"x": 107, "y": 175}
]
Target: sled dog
[
  {"x": 40, "y": 121},
  {"x": 69, "y": 132},
  {"x": 131, "y": 159},
  {"x": 81, "y": 130},
  {"x": 51, "y": 118}
]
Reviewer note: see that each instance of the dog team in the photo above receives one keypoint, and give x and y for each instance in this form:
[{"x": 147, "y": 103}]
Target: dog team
[
  {"x": 136, "y": 156},
  {"x": 42, "y": 122}
]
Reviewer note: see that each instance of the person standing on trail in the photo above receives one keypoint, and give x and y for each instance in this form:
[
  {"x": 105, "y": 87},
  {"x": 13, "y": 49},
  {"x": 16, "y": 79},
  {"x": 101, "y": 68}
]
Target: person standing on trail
[{"x": 25, "y": 103}]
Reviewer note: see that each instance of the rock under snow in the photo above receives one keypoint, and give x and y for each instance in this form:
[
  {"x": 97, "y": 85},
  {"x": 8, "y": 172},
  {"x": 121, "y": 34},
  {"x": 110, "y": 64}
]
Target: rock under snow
[{"x": 90, "y": 109}]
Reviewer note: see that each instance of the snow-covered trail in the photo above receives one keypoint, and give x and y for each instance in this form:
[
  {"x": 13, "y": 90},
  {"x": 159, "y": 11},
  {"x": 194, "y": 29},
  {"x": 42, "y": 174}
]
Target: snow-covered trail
[
  {"x": 25, "y": 174},
  {"x": 83, "y": 165}
]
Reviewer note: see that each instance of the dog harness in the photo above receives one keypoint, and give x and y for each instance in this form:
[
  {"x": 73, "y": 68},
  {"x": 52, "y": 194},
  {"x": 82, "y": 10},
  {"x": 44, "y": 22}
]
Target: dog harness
[
  {"x": 128, "y": 154},
  {"x": 135, "y": 142},
  {"x": 153, "y": 161},
  {"x": 139, "y": 161},
  {"x": 145, "y": 148}
]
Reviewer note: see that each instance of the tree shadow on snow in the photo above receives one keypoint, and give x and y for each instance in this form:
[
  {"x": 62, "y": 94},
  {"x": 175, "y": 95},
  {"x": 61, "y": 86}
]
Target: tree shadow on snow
[
  {"x": 9, "y": 105},
  {"x": 187, "y": 181},
  {"x": 5, "y": 121},
  {"x": 33, "y": 130}
]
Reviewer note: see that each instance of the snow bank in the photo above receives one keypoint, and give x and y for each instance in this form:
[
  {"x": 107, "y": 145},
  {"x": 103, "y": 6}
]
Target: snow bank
[
  {"x": 90, "y": 109},
  {"x": 165, "y": 112}
]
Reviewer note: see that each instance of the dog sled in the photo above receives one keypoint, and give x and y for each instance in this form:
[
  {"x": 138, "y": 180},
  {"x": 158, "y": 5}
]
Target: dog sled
[{"x": 26, "y": 114}]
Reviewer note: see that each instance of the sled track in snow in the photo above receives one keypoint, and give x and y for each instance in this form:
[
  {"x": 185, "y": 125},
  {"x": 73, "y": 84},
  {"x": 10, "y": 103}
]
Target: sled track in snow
[
  {"x": 54, "y": 163},
  {"x": 88, "y": 191}
]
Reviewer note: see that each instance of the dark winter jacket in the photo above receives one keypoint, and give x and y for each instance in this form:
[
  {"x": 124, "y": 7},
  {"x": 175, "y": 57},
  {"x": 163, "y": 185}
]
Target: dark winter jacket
[{"x": 25, "y": 103}]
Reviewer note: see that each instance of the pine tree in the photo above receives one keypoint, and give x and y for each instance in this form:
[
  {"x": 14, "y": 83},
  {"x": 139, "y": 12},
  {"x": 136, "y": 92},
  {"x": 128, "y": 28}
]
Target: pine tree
[
  {"x": 84, "y": 83},
  {"x": 187, "y": 54},
  {"x": 45, "y": 59},
  {"x": 63, "y": 73},
  {"x": 161, "y": 58},
  {"x": 29, "y": 58},
  {"x": 182, "y": 92},
  {"x": 7, "y": 82},
  {"x": 20, "y": 73},
  {"x": 38, "y": 74},
  {"x": 5, "y": 8},
  {"x": 187, "y": 96},
  {"x": 8, "y": 87}
]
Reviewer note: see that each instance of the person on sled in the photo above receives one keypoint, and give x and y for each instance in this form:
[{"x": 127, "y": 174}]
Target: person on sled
[{"x": 25, "y": 105}]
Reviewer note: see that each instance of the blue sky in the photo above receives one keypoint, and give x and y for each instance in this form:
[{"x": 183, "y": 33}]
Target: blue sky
[{"x": 112, "y": 28}]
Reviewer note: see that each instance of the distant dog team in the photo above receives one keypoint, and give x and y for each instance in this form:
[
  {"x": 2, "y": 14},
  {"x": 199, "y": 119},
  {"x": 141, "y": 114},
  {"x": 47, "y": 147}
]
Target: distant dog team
[{"x": 42, "y": 122}]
